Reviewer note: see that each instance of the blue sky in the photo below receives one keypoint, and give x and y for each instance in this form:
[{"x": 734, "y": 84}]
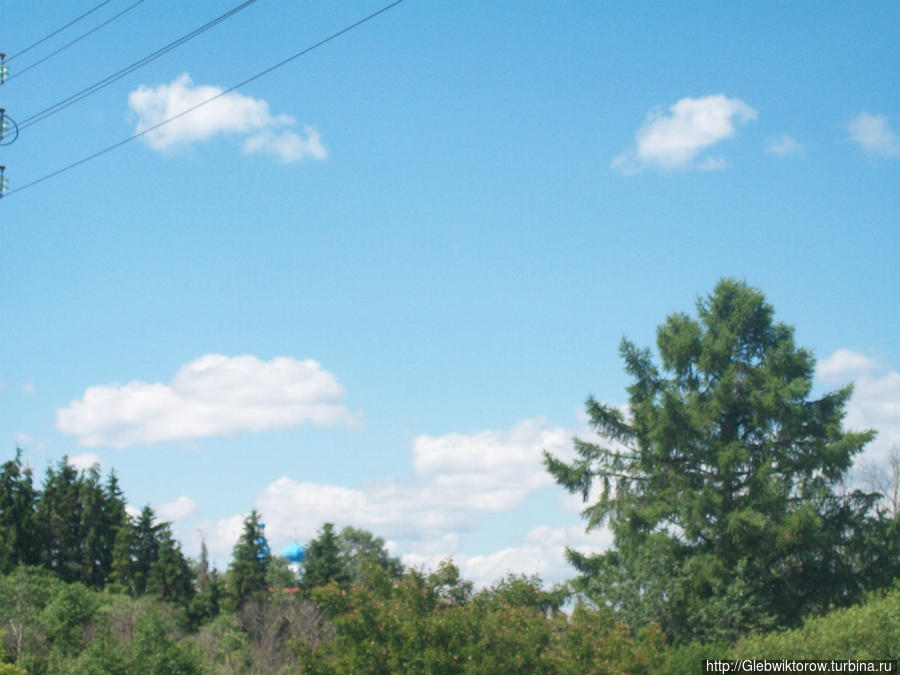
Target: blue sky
[{"x": 370, "y": 286}]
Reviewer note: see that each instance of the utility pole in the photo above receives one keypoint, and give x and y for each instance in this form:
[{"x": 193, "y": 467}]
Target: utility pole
[{"x": 9, "y": 130}]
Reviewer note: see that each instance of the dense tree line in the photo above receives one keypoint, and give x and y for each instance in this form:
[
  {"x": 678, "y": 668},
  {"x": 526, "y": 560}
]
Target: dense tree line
[{"x": 77, "y": 528}]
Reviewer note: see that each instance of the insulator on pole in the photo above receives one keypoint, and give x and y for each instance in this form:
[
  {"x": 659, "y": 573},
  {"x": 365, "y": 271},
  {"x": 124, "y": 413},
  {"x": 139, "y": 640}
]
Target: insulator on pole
[
  {"x": 7, "y": 124},
  {"x": 4, "y": 69}
]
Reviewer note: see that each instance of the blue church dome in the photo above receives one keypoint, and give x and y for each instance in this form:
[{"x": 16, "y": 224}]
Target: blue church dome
[{"x": 294, "y": 552}]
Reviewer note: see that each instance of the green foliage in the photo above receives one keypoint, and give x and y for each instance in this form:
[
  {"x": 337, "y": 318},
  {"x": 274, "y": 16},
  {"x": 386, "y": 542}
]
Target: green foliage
[
  {"x": 10, "y": 669},
  {"x": 246, "y": 577},
  {"x": 137, "y": 636},
  {"x": 689, "y": 658},
  {"x": 18, "y": 500},
  {"x": 170, "y": 575},
  {"x": 207, "y": 601},
  {"x": 24, "y": 594},
  {"x": 434, "y": 623},
  {"x": 224, "y": 646},
  {"x": 68, "y": 527},
  {"x": 280, "y": 575},
  {"x": 148, "y": 559},
  {"x": 344, "y": 557},
  {"x": 66, "y": 622},
  {"x": 77, "y": 518},
  {"x": 597, "y": 642},
  {"x": 369, "y": 615},
  {"x": 870, "y": 630},
  {"x": 360, "y": 548},
  {"x": 720, "y": 488},
  {"x": 324, "y": 563}
]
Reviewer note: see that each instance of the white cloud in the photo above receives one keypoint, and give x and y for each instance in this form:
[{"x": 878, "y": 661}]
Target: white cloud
[
  {"x": 222, "y": 536},
  {"x": 27, "y": 442},
  {"x": 458, "y": 477},
  {"x": 231, "y": 114},
  {"x": 213, "y": 395},
  {"x": 177, "y": 509},
  {"x": 457, "y": 480},
  {"x": 287, "y": 145},
  {"x": 875, "y": 403},
  {"x": 542, "y": 553},
  {"x": 712, "y": 164},
  {"x": 672, "y": 138},
  {"x": 874, "y": 134},
  {"x": 843, "y": 366},
  {"x": 85, "y": 460},
  {"x": 783, "y": 146},
  {"x": 505, "y": 464},
  {"x": 28, "y": 387}
]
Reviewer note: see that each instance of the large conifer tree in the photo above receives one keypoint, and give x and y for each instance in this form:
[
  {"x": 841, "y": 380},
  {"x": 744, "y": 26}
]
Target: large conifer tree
[{"x": 721, "y": 484}]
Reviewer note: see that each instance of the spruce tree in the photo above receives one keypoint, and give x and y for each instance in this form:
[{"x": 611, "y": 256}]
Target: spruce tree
[
  {"x": 59, "y": 522},
  {"x": 18, "y": 500},
  {"x": 722, "y": 483},
  {"x": 250, "y": 563},
  {"x": 323, "y": 562},
  {"x": 170, "y": 576}
]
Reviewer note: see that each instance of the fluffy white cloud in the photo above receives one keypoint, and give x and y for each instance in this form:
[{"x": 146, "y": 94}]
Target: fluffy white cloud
[
  {"x": 875, "y": 403},
  {"x": 783, "y": 146},
  {"x": 503, "y": 465},
  {"x": 672, "y": 138},
  {"x": 457, "y": 478},
  {"x": 287, "y": 145},
  {"x": 220, "y": 538},
  {"x": 874, "y": 134},
  {"x": 843, "y": 366},
  {"x": 231, "y": 114},
  {"x": 177, "y": 509},
  {"x": 542, "y": 553},
  {"x": 213, "y": 395},
  {"x": 84, "y": 461}
]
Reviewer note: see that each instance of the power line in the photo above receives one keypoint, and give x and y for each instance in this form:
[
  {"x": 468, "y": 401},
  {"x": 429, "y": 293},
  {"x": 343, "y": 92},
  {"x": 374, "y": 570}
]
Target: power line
[
  {"x": 211, "y": 99},
  {"x": 97, "y": 86},
  {"x": 78, "y": 39},
  {"x": 58, "y": 30}
]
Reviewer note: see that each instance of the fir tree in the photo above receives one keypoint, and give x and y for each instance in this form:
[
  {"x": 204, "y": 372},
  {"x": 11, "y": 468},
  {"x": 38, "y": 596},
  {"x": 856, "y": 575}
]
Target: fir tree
[
  {"x": 18, "y": 500},
  {"x": 324, "y": 562},
  {"x": 720, "y": 485},
  {"x": 250, "y": 563}
]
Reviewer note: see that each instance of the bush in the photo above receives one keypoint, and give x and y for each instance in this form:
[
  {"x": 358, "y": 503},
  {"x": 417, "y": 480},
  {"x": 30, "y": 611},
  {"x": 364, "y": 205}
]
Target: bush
[{"x": 867, "y": 631}]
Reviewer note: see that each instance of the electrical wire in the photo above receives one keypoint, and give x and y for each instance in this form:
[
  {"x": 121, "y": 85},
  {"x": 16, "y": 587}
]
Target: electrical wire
[
  {"x": 57, "y": 31},
  {"x": 209, "y": 100},
  {"x": 97, "y": 86},
  {"x": 78, "y": 39}
]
